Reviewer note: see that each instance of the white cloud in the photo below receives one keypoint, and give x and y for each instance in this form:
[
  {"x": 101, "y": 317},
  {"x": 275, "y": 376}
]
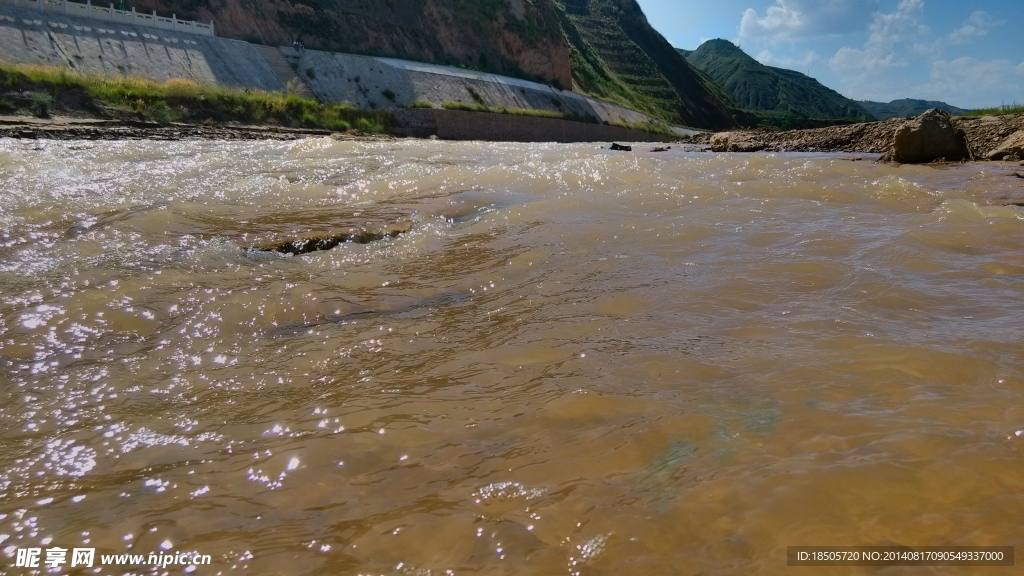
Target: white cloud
[
  {"x": 972, "y": 81},
  {"x": 796, "y": 19},
  {"x": 808, "y": 59},
  {"x": 978, "y": 24},
  {"x": 856, "y": 66}
]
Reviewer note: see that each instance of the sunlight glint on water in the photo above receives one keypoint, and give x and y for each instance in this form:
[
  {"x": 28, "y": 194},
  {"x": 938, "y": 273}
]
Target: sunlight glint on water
[{"x": 577, "y": 361}]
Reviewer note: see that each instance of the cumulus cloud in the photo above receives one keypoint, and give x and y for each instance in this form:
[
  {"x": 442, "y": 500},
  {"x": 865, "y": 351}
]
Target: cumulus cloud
[
  {"x": 978, "y": 24},
  {"x": 970, "y": 80},
  {"x": 799, "y": 19},
  {"x": 857, "y": 65}
]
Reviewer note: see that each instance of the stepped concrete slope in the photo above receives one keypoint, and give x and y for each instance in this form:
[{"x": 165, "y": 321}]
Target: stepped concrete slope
[
  {"x": 284, "y": 71},
  {"x": 369, "y": 82},
  {"x": 97, "y": 46}
]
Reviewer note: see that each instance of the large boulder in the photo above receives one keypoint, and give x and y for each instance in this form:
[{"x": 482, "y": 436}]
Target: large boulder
[
  {"x": 927, "y": 138},
  {"x": 1011, "y": 149}
]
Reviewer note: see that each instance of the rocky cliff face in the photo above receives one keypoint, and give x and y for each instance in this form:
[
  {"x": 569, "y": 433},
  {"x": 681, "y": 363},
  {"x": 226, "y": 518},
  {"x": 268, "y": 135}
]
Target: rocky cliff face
[{"x": 512, "y": 37}]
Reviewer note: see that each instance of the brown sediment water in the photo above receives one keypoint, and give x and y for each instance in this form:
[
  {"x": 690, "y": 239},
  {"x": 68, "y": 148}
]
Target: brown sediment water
[{"x": 575, "y": 361}]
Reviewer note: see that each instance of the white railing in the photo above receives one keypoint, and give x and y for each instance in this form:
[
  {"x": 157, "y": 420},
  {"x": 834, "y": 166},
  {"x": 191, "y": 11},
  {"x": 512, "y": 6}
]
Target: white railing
[{"x": 88, "y": 10}]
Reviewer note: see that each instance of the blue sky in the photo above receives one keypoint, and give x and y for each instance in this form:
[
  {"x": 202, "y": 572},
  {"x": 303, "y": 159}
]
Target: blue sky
[{"x": 969, "y": 53}]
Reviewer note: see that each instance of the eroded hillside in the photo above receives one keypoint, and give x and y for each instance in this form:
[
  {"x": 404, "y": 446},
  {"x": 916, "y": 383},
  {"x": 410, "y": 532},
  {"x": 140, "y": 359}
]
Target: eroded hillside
[
  {"x": 605, "y": 48},
  {"x": 514, "y": 37}
]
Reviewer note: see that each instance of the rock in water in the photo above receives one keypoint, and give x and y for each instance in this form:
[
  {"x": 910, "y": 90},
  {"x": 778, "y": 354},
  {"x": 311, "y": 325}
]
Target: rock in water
[
  {"x": 927, "y": 138},
  {"x": 318, "y": 242},
  {"x": 1011, "y": 149},
  {"x": 749, "y": 141},
  {"x": 620, "y": 147}
]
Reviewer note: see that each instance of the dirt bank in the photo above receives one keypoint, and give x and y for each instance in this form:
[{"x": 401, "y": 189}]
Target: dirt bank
[
  {"x": 984, "y": 134},
  {"x": 82, "y": 129}
]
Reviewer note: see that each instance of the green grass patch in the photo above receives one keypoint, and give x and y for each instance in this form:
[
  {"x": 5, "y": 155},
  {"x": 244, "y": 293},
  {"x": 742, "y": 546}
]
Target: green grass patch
[
  {"x": 1004, "y": 109},
  {"x": 654, "y": 127},
  {"x": 178, "y": 100},
  {"x": 466, "y": 107},
  {"x": 420, "y": 104}
]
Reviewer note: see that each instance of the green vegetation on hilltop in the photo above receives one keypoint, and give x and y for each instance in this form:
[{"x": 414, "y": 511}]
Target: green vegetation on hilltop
[
  {"x": 774, "y": 96},
  {"x": 44, "y": 89},
  {"x": 907, "y": 107},
  {"x": 616, "y": 55}
]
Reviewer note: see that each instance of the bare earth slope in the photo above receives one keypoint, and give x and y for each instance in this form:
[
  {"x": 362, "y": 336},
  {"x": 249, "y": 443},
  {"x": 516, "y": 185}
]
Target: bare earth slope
[{"x": 513, "y": 37}]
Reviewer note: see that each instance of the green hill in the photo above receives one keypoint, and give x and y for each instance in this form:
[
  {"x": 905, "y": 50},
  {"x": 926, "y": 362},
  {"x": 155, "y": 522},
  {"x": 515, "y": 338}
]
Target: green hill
[
  {"x": 907, "y": 107},
  {"x": 780, "y": 97},
  {"x": 618, "y": 56},
  {"x": 604, "y": 48}
]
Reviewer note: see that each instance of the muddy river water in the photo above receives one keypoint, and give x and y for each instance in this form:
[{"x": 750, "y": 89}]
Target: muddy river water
[{"x": 575, "y": 361}]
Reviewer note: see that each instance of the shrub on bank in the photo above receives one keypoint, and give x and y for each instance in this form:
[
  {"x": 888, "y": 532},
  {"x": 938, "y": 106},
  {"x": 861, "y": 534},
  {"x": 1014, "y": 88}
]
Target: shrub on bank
[{"x": 178, "y": 100}]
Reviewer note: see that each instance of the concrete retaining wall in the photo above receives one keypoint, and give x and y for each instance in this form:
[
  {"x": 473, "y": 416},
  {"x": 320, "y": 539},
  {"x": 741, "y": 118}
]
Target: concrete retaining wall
[
  {"x": 459, "y": 125},
  {"x": 95, "y": 46},
  {"x": 369, "y": 82},
  {"x": 92, "y": 45}
]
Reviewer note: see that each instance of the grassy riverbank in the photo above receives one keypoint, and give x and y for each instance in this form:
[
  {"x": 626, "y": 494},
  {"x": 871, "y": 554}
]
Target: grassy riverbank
[
  {"x": 46, "y": 90},
  {"x": 653, "y": 127}
]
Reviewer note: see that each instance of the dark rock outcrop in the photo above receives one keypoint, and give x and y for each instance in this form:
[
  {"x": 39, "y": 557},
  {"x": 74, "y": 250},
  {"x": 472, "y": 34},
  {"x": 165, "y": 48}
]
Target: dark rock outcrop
[
  {"x": 318, "y": 242},
  {"x": 928, "y": 138}
]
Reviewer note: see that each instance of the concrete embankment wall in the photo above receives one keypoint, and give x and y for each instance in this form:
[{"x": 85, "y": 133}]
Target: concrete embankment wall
[
  {"x": 369, "y": 82},
  {"x": 460, "y": 125},
  {"x": 96, "y": 46}
]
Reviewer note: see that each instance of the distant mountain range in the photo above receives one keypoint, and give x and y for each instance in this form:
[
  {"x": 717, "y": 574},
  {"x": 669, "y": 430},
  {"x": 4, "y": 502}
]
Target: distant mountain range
[
  {"x": 907, "y": 107},
  {"x": 787, "y": 99},
  {"x": 774, "y": 93}
]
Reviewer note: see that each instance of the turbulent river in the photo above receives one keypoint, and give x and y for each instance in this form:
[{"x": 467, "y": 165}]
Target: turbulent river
[{"x": 576, "y": 361}]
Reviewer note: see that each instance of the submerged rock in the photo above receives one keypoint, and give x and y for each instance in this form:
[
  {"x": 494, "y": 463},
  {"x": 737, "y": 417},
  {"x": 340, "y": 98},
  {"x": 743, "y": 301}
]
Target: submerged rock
[
  {"x": 318, "y": 242},
  {"x": 928, "y": 138},
  {"x": 1011, "y": 149}
]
